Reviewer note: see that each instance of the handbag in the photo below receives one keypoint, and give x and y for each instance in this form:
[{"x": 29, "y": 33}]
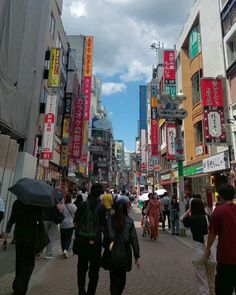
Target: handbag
[{"x": 58, "y": 217}]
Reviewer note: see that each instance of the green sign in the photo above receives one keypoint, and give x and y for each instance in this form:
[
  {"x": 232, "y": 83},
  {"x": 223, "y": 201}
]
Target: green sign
[
  {"x": 194, "y": 43},
  {"x": 193, "y": 170},
  {"x": 171, "y": 90}
]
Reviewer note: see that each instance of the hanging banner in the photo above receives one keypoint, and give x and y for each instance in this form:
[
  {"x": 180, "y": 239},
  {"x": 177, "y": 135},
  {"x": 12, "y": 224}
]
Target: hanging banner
[
  {"x": 88, "y": 58},
  {"x": 64, "y": 155},
  {"x": 154, "y": 120},
  {"x": 143, "y": 107},
  {"x": 49, "y": 127},
  {"x": 66, "y": 130},
  {"x": 54, "y": 69},
  {"x": 170, "y": 141},
  {"x": 77, "y": 134},
  {"x": 212, "y": 97},
  {"x": 169, "y": 67},
  {"x": 87, "y": 88},
  {"x": 143, "y": 150}
]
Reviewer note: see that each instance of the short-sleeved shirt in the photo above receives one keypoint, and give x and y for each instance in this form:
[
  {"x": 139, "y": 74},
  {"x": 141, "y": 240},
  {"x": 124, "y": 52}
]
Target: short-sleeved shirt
[{"x": 223, "y": 224}]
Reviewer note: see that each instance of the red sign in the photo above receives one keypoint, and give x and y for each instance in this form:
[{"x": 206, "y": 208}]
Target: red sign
[
  {"x": 87, "y": 86},
  {"x": 169, "y": 67},
  {"x": 154, "y": 137},
  {"x": 77, "y": 135},
  {"x": 212, "y": 94},
  {"x": 212, "y": 97},
  {"x": 170, "y": 141},
  {"x": 143, "y": 166}
]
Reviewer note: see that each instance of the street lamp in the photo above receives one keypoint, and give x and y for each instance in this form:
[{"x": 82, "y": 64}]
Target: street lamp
[{"x": 172, "y": 112}]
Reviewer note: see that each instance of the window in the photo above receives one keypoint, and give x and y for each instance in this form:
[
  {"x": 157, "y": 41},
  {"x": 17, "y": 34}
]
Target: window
[
  {"x": 233, "y": 14},
  {"x": 226, "y": 24},
  {"x": 198, "y": 133},
  {"x": 58, "y": 41},
  {"x": 196, "y": 88},
  {"x": 52, "y": 25},
  {"x": 231, "y": 50}
]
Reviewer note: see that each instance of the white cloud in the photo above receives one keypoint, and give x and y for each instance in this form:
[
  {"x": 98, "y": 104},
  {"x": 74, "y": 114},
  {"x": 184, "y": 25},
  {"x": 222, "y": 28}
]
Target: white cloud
[
  {"x": 111, "y": 88},
  {"x": 78, "y": 9},
  {"x": 124, "y": 31}
]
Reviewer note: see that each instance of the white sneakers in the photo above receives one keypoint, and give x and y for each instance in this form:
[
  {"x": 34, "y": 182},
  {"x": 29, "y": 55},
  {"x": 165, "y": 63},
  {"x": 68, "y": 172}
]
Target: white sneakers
[{"x": 65, "y": 254}]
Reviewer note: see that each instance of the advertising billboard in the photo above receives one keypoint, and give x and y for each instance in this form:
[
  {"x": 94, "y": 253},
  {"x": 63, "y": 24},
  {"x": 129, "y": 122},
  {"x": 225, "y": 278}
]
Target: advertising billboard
[
  {"x": 77, "y": 132},
  {"x": 49, "y": 127},
  {"x": 143, "y": 107},
  {"x": 212, "y": 98},
  {"x": 170, "y": 141},
  {"x": 169, "y": 67},
  {"x": 54, "y": 69}
]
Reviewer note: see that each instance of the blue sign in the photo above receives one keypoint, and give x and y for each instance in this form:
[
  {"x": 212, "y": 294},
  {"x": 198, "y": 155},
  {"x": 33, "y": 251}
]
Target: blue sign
[{"x": 143, "y": 107}]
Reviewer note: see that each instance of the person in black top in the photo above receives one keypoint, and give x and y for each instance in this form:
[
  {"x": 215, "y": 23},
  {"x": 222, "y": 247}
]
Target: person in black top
[
  {"x": 26, "y": 219},
  {"x": 197, "y": 221},
  {"x": 174, "y": 215},
  {"x": 89, "y": 249}
]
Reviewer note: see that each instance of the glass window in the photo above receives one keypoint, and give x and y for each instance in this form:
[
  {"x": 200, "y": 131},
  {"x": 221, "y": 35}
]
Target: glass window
[
  {"x": 196, "y": 87},
  {"x": 231, "y": 50},
  {"x": 226, "y": 24},
  {"x": 233, "y": 14},
  {"x": 198, "y": 133},
  {"x": 52, "y": 25}
]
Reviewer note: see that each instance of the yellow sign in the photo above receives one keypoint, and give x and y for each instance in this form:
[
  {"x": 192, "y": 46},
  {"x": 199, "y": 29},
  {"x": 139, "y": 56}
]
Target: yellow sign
[
  {"x": 154, "y": 102},
  {"x": 88, "y": 56},
  {"x": 66, "y": 129},
  {"x": 54, "y": 70},
  {"x": 64, "y": 155}
]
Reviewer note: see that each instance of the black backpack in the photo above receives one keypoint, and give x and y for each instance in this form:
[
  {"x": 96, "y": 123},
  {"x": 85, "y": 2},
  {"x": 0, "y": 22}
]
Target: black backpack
[
  {"x": 89, "y": 224},
  {"x": 119, "y": 253}
]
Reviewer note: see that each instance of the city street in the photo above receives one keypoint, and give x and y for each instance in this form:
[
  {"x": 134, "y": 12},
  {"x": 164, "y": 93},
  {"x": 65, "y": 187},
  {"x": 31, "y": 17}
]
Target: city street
[{"x": 165, "y": 269}]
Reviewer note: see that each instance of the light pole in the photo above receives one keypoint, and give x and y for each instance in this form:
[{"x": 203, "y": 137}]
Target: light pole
[{"x": 172, "y": 112}]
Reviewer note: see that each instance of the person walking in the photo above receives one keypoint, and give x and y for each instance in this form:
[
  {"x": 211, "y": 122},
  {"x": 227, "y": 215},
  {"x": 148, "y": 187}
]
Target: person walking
[
  {"x": 174, "y": 215},
  {"x": 223, "y": 225},
  {"x": 2, "y": 206},
  {"x": 153, "y": 212},
  {"x": 27, "y": 220},
  {"x": 68, "y": 209},
  {"x": 90, "y": 221},
  {"x": 198, "y": 224},
  {"x": 165, "y": 208},
  {"x": 120, "y": 236}
]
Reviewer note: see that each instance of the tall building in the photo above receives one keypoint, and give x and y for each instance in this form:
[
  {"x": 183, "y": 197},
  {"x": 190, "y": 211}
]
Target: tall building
[{"x": 201, "y": 76}]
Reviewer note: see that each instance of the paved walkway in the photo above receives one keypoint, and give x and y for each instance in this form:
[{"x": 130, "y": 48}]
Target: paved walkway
[{"x": 166, "y": 269}]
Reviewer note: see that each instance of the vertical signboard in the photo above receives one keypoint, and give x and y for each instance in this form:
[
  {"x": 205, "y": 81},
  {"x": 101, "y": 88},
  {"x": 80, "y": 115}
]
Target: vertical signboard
[
  {"x": 169, "y": 72},
  {"x": 170, "y": 141},
  {"x": 49, "y": 127},
  {"x": 54, "y": 69},
  {"x": 143, "y": 150},
  {"x": 143, "y": 107},
  {"x": 87, "y": 79},
  {"x": 212, "y": 97},
  {"x": 77, "y": 134},
  {"x": 154, "y": 120}
]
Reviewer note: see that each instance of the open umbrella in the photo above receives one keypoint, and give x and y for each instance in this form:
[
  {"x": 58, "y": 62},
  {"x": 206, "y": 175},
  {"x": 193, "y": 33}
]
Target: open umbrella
[
  {"x": 161, "y": 191},
  {"x": 144, "y": 197},
  {"x": 35, "y": 192}
]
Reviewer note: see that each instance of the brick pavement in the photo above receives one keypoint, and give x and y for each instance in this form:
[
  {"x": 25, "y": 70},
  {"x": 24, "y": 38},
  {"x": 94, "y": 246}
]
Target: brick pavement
[{"x": 165, "y": 270}]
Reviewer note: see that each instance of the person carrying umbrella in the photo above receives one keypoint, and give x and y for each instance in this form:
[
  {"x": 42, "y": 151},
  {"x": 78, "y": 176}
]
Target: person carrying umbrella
[{"x": 30, "y": 235}]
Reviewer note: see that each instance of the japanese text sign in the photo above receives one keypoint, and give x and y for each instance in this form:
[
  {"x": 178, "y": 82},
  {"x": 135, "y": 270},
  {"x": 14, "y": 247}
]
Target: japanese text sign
[
  {"x": 169, "y": 67},
  {"x": 49, "y": 127},
  {"x": 170, "y": 141},
  {"x": 143, "y": 106},
  {"x": 88, "y": 56},
  {"x": 54, "y": 69},
  {"x": 87, "y": 88}
]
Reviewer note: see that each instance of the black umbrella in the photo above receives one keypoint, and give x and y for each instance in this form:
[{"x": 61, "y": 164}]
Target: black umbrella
[{"x": 35, "y": 192}]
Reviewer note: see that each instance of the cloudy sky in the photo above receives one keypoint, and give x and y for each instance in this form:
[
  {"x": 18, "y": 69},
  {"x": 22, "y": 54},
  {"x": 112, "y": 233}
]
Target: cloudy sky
[{"x": 123, "y": 32}]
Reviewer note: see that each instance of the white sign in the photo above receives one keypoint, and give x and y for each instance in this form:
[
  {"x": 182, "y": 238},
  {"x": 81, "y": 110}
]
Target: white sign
[
  {"x": 172, "y": 114},
  {"x": 199, "y": 150},
  {"x": 49, "y": 127},
  {"x": 214, "y": 124},
  {"x": 216, "y": 163}
]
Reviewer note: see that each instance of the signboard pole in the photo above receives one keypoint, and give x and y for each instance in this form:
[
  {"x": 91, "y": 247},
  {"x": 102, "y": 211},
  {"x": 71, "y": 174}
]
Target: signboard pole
[{"x": 182, "y": 230}]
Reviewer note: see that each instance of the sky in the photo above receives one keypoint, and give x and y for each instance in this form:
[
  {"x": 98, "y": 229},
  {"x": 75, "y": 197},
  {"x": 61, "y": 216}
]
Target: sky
[{"x": 123, "y": 32}]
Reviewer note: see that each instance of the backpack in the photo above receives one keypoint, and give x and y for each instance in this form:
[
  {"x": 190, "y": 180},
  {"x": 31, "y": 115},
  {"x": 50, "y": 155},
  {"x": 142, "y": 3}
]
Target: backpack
[
  {"x": 117, "y": 255},
  {"x": 89, "y": 224}
]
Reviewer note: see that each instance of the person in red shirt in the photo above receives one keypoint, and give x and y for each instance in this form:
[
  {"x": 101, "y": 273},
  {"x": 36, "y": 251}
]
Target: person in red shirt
[{"x": 223, "y": 225}]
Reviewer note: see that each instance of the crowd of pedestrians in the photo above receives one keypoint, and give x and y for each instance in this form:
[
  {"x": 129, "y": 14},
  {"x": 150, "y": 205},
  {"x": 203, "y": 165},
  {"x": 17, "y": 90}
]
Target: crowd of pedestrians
[{"x": 90, "y": 222}]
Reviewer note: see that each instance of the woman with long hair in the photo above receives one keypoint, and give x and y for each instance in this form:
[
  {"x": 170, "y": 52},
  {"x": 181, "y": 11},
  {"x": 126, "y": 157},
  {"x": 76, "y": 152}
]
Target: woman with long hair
[
  {"x": 68, "y": 209},
  {"x": 198, "y": 224},
  {"x": 154, "y": 214},
  {"x": 120, "y": 227}
]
